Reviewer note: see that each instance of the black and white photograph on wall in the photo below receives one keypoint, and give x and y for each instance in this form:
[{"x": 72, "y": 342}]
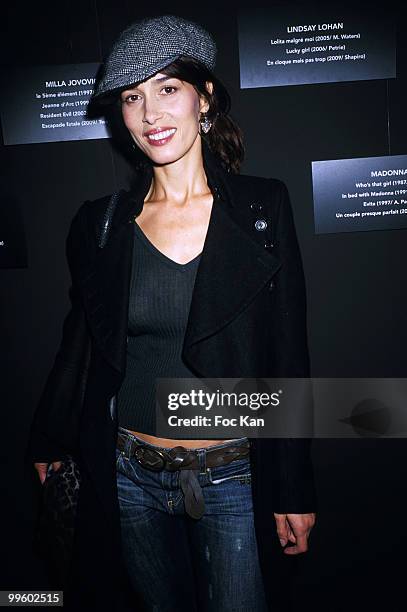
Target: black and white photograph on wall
[{"x": 202, "y": 235}]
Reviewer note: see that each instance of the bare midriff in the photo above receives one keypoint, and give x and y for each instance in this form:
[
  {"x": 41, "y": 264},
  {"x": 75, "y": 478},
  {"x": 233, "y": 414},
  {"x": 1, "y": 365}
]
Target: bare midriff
[{"x": 169, "y": 442}]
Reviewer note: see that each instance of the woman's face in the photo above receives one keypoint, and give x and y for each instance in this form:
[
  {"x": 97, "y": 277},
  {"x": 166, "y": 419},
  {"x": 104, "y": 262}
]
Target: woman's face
[{"x": 162, "y": 115}]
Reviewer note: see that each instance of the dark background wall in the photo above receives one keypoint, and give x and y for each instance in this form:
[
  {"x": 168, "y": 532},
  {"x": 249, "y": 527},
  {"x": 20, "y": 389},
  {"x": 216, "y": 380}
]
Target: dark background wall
[{"x": 355, "y": 282}]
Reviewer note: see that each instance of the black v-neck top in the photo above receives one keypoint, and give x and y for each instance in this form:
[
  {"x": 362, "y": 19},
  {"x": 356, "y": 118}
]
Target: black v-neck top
[{"x": 160, "y": 298}]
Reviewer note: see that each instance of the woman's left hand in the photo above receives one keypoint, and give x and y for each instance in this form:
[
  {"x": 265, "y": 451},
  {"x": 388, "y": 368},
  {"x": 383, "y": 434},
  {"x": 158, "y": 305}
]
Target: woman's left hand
[{"x": 295, "y": 528}]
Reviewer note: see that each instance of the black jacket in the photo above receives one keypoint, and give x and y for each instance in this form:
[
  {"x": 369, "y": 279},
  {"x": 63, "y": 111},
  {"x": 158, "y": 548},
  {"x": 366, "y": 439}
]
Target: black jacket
[{"x": 247, "y": 319}]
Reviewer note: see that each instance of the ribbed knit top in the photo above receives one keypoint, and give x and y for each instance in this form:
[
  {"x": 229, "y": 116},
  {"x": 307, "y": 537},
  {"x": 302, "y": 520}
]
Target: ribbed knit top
[{"x": 160, "y": 298}]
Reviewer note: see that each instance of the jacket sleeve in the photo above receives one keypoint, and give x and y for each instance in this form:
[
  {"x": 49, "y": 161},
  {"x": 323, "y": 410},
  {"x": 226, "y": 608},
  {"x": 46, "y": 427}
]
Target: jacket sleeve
[
  {"x": 54, "y": 429},
  {"x": 291, "y": 464}
]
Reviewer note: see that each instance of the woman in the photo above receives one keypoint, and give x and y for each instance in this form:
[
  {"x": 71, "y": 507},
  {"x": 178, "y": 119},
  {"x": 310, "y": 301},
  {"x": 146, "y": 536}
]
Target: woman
[{"x": 181, "y": 288}]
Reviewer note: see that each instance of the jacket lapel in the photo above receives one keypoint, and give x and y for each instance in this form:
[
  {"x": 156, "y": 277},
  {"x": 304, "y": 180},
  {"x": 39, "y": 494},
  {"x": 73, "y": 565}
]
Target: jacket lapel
[{"x": 233, "y": 267}]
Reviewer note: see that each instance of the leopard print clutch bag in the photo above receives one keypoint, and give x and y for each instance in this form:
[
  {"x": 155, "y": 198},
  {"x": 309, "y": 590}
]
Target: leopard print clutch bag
[{"x": 57, "y": 517}]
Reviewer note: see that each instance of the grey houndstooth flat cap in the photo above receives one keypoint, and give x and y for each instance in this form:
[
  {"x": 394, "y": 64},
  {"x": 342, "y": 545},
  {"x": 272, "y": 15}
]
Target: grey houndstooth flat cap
[{"x": 148, "y": 46}]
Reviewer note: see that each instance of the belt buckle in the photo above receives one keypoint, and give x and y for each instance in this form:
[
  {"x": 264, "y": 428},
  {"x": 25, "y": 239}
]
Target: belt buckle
[{"x": 152, "y": 458}]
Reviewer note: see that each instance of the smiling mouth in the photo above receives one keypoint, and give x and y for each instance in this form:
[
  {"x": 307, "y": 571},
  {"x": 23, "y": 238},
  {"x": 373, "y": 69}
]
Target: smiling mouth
[{"x": 165, "y": 134}]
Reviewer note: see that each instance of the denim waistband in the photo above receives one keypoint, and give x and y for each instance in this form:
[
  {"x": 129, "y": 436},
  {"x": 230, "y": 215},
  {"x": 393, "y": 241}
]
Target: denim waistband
[{"x": 235, "y": 442}]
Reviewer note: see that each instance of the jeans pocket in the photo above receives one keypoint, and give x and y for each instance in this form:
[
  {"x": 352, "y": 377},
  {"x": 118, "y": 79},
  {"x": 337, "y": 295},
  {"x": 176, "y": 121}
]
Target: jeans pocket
[
  {"x": 236, "y": 470},
  {"x": 243, "y": 479}
]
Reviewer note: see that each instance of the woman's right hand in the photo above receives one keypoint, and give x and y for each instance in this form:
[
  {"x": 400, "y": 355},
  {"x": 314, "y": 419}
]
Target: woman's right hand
[{"x": 42, "y": 469}]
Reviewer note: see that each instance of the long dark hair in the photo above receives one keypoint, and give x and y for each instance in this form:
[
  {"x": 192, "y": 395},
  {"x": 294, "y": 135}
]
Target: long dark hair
[{"x": 225, "y": 138}]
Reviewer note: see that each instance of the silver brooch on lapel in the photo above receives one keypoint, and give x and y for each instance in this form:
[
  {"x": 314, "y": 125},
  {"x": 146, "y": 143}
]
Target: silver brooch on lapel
[{"x": 260, "y": 225}]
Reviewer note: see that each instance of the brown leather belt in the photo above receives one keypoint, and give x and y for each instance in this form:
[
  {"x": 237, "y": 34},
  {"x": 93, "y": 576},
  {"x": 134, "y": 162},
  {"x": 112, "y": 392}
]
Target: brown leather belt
[
  {"x": 186, "y": 460},
  {"x": 181, "y": 458}
]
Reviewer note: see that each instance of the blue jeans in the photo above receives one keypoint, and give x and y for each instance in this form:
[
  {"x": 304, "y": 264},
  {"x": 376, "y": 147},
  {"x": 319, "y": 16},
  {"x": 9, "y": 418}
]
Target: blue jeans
[{"x": 177, "y": 563}]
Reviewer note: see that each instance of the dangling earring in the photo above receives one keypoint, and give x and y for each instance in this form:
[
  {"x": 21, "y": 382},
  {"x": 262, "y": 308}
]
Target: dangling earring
[{"x": 206, "y": 124}]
